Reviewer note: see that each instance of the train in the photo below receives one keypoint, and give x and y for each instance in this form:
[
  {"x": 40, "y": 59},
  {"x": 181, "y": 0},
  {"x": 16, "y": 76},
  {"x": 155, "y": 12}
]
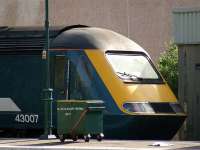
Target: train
[{"x": 86, "y": 63}]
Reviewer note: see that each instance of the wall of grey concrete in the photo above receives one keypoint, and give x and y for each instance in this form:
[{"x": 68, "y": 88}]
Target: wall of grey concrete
[{"x": 148, "y": 22}]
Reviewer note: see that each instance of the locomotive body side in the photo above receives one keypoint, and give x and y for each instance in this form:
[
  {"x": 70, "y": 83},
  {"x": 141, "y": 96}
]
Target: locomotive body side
[
  {"x": 22, "y": 80},
  {"x": 21, "y": 84}
]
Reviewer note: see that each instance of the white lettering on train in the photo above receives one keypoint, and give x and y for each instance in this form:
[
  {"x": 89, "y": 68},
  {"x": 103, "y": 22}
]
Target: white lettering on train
[{"x": 24, "y": 118}]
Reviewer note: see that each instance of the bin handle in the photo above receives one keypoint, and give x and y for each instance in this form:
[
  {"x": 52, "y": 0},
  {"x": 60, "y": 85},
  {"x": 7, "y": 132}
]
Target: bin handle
[
  {"x": 91, "y": 108},
  {"x": 79, "y": 120}
]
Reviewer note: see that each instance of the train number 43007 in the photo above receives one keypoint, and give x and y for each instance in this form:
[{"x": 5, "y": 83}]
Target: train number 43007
[{"x": 24, "y": 118}]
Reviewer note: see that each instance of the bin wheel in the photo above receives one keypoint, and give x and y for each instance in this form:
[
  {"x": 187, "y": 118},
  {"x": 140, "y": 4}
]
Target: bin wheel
[
  {"x": 62, "y": 139},
  {"x": 87, "y": 138},
  {"x": 100, "y": 136},
  {"x": 75, "y": 138},
  {"x": 57, "y": 136}
]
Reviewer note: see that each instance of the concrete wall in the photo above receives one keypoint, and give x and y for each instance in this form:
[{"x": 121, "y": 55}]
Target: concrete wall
[{"x": 148, "y": 22}]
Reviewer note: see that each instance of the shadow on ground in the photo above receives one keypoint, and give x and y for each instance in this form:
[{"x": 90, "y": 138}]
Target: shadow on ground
[{"x": 189, "y": 148}]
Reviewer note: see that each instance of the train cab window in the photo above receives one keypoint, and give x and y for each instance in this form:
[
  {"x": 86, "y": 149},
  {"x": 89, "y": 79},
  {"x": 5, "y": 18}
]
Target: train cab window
[
  {"x": 82, "y": 76},
  {"x": 133, "y": 67}
]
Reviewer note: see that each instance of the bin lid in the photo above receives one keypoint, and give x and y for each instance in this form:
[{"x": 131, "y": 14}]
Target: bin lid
[
  {"x": 71, "y": 101},
  {"x": 81, "y": 101},
  {"x": 94, "y": 101}
]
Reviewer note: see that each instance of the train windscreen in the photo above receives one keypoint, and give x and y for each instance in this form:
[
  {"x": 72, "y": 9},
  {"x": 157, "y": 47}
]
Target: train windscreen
[{"x": 133, "y": 67}]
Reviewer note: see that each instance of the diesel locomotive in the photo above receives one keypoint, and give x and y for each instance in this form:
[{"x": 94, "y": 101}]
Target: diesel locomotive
[{"x": 86, "y": 63}]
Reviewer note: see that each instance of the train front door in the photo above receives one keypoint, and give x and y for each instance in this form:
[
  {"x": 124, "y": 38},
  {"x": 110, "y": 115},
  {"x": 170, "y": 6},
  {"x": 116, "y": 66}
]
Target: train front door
[{"x": 60, "y": 76}]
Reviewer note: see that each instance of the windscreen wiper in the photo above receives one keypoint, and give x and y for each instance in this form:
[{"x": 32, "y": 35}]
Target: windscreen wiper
[{"x": 131, "y": 76}]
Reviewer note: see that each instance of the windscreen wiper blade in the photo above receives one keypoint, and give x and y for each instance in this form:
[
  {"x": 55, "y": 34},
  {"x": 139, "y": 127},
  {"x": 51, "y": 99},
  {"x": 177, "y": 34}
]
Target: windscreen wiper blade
[{"x": 131, "y": 76}]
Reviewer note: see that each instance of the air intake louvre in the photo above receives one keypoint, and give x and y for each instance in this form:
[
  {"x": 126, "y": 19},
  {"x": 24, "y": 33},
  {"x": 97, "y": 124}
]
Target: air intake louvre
[{"x": 24, "y": 39}]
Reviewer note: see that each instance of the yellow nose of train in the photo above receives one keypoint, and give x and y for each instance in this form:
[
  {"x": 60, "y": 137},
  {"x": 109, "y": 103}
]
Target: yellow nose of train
[
  {"x": 149, "y": 108},
  {"x": 108, "y": 66}
]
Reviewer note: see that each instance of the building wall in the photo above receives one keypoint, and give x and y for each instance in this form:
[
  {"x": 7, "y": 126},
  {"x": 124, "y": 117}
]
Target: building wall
[
  {"x": 187, "y": 37},
  {"x": 189, "y": 88},
  {"x": 148, "y": 22}
]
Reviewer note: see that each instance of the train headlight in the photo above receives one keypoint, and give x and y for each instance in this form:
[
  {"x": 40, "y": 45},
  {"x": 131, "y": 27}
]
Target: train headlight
[
  {"x": 138, "y": 107},
  {"x": 177, "y": 108}
]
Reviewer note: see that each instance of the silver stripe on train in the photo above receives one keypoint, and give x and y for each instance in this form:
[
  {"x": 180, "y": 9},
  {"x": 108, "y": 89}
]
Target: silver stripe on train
[{"x": 7, "y": 104}]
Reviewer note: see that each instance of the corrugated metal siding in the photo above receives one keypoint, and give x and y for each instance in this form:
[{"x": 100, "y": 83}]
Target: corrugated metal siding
[{"x": 187, "y": 26}]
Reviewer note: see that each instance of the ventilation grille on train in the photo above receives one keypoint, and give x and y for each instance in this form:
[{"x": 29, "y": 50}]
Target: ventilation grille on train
[{"x": 22, "y": 39}]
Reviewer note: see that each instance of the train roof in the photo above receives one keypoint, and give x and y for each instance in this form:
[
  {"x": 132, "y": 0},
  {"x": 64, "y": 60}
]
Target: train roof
[
  {"x": 94, "y": 38},
  {"x": 15, "y": 39}
]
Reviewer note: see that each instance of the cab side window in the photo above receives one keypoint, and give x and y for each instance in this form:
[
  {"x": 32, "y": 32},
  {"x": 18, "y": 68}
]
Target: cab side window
[{"x": 82, "y": 76}]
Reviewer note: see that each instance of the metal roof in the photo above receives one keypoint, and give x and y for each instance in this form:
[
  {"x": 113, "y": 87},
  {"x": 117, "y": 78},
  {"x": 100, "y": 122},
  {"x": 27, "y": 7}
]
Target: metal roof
[{"x": 186, "y": 23}]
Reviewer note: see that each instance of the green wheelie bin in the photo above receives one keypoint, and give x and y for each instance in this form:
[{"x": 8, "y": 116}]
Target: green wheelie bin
[{"x": 80, "y": 118}]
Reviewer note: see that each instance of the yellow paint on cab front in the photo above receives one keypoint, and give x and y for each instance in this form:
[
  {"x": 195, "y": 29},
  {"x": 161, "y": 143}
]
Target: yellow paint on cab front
[{"x": 123, "y": 92}]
